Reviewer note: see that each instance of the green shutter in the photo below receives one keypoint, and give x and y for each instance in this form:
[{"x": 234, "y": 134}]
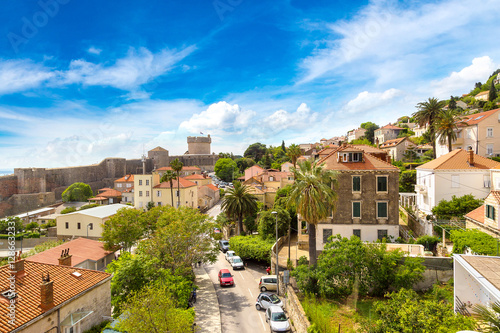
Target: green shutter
[
  {"x": 356, "y": 183},
  {"x": 356, "y": 209},
  {"x": 382, "y": 209}
]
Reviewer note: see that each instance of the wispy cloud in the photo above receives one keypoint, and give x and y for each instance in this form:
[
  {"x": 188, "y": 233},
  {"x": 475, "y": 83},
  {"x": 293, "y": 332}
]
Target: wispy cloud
[
  {"x": 21, "y": 75},
  {"x": 94, "y": 50},
  {"x": 368, "y": 101}
]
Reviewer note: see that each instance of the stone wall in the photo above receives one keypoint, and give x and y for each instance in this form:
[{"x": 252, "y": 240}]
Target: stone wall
[
  {"x": 8, "y": 186},
  {"x": 199, "y": 144},
  {"x": 293, "y": 308},
  {"x": 21, "y": 203},
  {"x": 438, "y": 269}
]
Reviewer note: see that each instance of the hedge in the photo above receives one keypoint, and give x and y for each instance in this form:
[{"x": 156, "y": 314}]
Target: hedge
[
  {"x": 252, "y": 247},
  {"x": 478, "y": 241}
]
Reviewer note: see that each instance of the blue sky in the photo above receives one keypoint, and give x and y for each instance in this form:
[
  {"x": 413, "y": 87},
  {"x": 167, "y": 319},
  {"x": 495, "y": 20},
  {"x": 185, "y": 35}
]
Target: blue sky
[{"x": 85, "y": 80}]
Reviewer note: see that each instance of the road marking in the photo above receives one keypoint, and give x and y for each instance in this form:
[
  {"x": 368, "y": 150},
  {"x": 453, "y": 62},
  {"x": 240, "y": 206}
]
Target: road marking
[
  {"x": 250, "y": 292},
  {"x": 241, "y": 276},
  {"x": 262, "y": 321}
]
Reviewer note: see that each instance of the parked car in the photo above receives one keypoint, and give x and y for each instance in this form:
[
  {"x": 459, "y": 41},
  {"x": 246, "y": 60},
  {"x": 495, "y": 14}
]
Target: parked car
[
  {"x": 225, "y": 278},
  {"x": 265, "y": 300},
  {"x": 217, "y": 230},
  {"x": 229, "y": 255},
  {"x": 237, "y": 263},
  {"x": 276, "y": 317},
  {"x": 223, "y": 245},
  {"x": 268, "y": 282}
]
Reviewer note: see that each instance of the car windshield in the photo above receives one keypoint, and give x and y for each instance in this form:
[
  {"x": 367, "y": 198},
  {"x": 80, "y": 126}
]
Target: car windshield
[
  {"x": 278, "y": 316},
  {"x": 225, "y": 243},
  {"x": 226, "y": 275},
  {"x": 275, "y": 299},
  {"x": 235, "y": 260}
]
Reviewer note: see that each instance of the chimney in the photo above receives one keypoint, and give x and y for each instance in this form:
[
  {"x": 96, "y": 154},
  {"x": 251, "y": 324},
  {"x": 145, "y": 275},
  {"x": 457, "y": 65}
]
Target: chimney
[
  {"x": 65, "y": 259},
  {"x": 388, "y": 158},
  {"x": 470, "y": 157},
  {"x": 46, "y": 293},
  {"x": 17, "y": 267},
  {"x": 377, "y": 143}
]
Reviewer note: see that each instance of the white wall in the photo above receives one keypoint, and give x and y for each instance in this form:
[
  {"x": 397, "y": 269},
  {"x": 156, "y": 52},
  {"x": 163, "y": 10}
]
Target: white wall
[{"x": 368, "y": 231}]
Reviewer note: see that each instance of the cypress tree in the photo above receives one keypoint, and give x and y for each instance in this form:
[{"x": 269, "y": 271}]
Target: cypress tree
[{"x": 493, "y": 92}]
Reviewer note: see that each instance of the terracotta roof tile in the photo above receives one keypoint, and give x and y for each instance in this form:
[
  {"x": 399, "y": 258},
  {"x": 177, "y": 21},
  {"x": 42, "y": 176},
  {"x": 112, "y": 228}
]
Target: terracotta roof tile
[
  {"x": 369, "y": 162},
  {"x": 477, "y": 214},
  {"x": 389, "y": 126},
  {"x": 457, "y": 160},
  {"x": 110, "y": 194},
  {"x": 186, "y": 168},
  {"x": 212, "y": 187},
  {"x": 392, "y": 143},
  {"x": 473, "y": 119},
  {"x": 126, "y": 178},
  {"x": 183, "y": 183},
  {"x": 369, "y": 149},
  {"x": 194, "y": 177},
  {"x": 81, "y": 249},
  {"x": 496, "y": 195},
  {"x": 65, "y": 285}
]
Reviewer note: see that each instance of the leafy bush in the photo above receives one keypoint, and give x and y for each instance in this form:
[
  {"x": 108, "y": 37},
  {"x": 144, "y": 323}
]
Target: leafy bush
[
  {"x": 252, "y": 247},
  {"x": 456, "y": 207},
  {"x": 89, "y": 206},
  {"x": 49, "y": 224},
  {"x": 77, "y": 192},
  {"x": 68, "y": 210},
  {"x": 4, "y": 224},
  {"x": 429, "y": 242},
  {"x": 32, "y": 235},
  {"x": 267, "y": 223},
  {"x": 478, "y": 241},
  {"x": 32, "y": 226}
]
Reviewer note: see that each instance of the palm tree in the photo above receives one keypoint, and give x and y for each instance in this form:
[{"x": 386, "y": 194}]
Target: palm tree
[
  {"x": 294, "y": 153},
  {"x": 446, "y": 127},
  {"x": 490, "y": 317},
  {"x": 427, "y": 114},
  {"x": 239, "y": 202},
  {"x": 314, "y": 197},
  {"x": 176, "y": 166},
  {"x": 169, "y": 176}
]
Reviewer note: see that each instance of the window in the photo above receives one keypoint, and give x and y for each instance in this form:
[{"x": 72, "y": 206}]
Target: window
[
  {"x": 382, "y": 210},
  {"x": 326, "y": 234},
  {"x": 469, "y": 133},
  {"x": 140, "y": 181},
  {"x": 147, "y": 182},
  {"x": 91, "y": 226},
  {"x": 118, "y": 185},
  {"x": 381, "y": 234},
  {"x": 486, "y": 181},
  {"x": 490, "y": 212},
  {"x": 271, "y": 179},
  {"x": 147, "y": 193},
  {"x": 78, "y": 225},
  {"x": 356, "y": 209},
  {"x": 158, "y": 194},
  {"x": 177, "y": 193},
  {"x": 356, "y": 183},
  {"x": 67, "y": 225},
  {"x": 489, "y": 132},
  {"x": 489, "y": 149},
  {"x": 159, "y": 203},
  {"x": 140, "y": 193},
  {"x": 455, "y": 181},
  {"x": 381, "y": 183},
  {"x": 357, "y": 232}
]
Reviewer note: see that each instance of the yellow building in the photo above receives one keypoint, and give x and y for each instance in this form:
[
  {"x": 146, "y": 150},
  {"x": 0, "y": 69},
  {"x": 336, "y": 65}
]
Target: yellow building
[
  {"x": 143, "y": 189},
  {"x": 187, "y": 194}
]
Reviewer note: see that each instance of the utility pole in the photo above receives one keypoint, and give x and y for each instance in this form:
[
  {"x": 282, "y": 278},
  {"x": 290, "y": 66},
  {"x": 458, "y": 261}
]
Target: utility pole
[{"x": 276, "y": 250}]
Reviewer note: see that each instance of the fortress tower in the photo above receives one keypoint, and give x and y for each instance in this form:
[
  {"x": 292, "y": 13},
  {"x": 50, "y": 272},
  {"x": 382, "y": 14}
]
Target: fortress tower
[{"x": 199, "y": 145}]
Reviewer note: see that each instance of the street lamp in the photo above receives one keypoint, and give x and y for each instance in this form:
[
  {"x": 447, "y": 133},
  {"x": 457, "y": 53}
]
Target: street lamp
[{"x": 276, "y": 249}]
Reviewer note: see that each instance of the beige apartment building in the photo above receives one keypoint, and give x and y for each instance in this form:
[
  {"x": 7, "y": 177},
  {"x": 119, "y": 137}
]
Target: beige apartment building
[{"x": 186, "y": 194}]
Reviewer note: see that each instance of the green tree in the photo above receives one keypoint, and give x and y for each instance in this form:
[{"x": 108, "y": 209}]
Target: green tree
[
  {"x": 456, "y": 207},
  {"x": 427, "y": 113},
  {"x": 177, "y": 166},
  {"x": 489, "y": 317},
  {"x": 77, "y": 192},
  {"x": 238, "y": 203},
  {"x": 283, "y": 146},
  {"x": 314, "y": 197},
  {"x": 267, "y": 223},
  {"x": 155, "y": 309},
  {"x": 124, "y": 229},
  {"x": 255, "y": 151},
  {"x": 244, "y": 163},
  {"x": 405, "y": 312},
  {"x": 492, "y": 95},
  {"x": 169, "y": 176},
  {"x": 410, "y": 155},
  {"x": 361, "y": 141},
  {"x": 479, "y": 242},
  {"x": 32, "y": 226},
  {"x": 447, "y": 124},
  {"x": 225, "y": 169},
  {"x": 12, "y": 224},
  {"x": 294, "y": 153},
  {"x": 407, "y": 181},
  {"x": 370, "y": 130}
]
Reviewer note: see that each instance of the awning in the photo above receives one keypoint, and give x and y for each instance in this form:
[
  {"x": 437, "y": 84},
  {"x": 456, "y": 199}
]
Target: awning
[{"x": 75, "y": 318}]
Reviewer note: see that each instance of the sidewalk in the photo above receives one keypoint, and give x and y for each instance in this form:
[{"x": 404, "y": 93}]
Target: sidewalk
[{"x": 207, "y": 305}]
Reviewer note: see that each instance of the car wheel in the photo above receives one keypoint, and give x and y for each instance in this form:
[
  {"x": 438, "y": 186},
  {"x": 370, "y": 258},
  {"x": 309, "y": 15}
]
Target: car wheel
[
  {"x": 263, "y": 289},
  {"x": 258, "y": 307}
]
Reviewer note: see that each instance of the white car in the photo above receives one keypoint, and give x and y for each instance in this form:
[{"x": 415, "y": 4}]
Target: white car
[
  {"x": 237, "y": 263},
  {"x": 229, "y": 255},
  {"x": 278, "y": 322}
]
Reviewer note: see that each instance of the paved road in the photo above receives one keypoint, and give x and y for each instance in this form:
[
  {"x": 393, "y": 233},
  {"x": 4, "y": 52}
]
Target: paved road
[
  {"x": 215, "y": 210},
  {"x": 237, "y": 304}
]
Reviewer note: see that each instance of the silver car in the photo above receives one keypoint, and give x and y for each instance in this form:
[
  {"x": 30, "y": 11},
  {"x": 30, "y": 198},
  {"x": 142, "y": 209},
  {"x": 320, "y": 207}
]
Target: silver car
[
  {"x": 278, "y": 322},
  {"x": 265, "y": 300},
  {"x": 236, "y": 262},
  {"x": 229, "y": 255}
]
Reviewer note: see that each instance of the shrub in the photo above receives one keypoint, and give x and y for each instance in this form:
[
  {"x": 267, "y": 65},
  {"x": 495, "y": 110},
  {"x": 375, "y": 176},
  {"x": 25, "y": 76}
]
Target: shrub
[
  {"x": 252, "y": 247},
  {"x": 32, "y": 235},
  {"x": 478, "y": 241},
  {"x": 32, "y": 226},
  {"x": 429, "y": 242},
  {"x": 68, "y": 210},
  {"x": 456, "y": 207},
  {"x": 89, "y": 206}
]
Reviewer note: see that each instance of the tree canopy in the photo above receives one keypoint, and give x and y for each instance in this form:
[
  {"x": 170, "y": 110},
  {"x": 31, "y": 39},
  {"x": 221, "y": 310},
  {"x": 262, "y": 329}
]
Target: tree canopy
[
  {"x": 267, "y": 223},
  {"x": 124, "y": 228},
  {"x": 370, "y": 130},
  {"x": 456, "y": 207},
  {"x": 255, "y": 151},
  {"x": 238, "y": 202},
  {"x": 77, "y": 192},
  {"x": 226, "y": 169}
]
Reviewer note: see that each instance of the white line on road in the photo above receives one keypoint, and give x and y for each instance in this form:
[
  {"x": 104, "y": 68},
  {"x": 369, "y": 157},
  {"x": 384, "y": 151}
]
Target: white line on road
[
  {"x": 262, "y": 321},
  {"x": 241, "y": 276},
  {"x": 250, "y": 292}
]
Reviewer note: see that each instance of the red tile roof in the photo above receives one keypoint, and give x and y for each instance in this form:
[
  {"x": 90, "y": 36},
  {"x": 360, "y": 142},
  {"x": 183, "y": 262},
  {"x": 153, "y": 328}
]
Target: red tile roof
[
  {"x": 186, "y": 168},
  {"x": 370, "y": 149},
  {"x": 476, "y": 215},
  {"x": 457, "y": 160},
  {"x": 110, "y": 194},
  {"x": 393, "y": 143},
  {"x": 66, "y": 287},
  {"x": 389, "y": 126},
  {"x": 212, "y": 187},
  {"x": 81, "y": 249},
  {"x": 126, "y": 178},
  {"x": 473, "y": 119},
  {"x": 104, "y": 189},
  {"x": 369, "y": 162},
  {"x": 495, "y": 195},
  {"x": 183, "y": 183},
  {"x": 195, "y": 177}
]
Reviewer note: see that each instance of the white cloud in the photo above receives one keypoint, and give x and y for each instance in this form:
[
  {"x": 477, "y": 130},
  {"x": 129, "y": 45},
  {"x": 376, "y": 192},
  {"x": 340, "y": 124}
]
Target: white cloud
[
  {"x": 386, "y": 31},
  {"x": 19, "y": 75},
  {"x": 461, "y": 82},
  {"x": 94, "y": 50},
  {"x": 366, "y": 101},
  {"x": 282, "y": 120}
]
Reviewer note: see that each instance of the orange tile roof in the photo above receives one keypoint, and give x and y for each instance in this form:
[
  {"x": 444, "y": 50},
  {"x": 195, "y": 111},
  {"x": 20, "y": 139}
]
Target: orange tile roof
[
  {"x": 65, "y": 285},
  {"x": 183, "y": 183},
  {"x": 496, "y": 195},
  {"x": 370, "y": 149},
  {"x": 457, "y": 160},
  {"x": 369, "y": 162},
  {"x": 389, "y": 126},
  {"x": 81, "y": 250},
  {"x": 212, "y": 187},
  {"x": 98, "y": 198},
  {"x": 473, "y": 119},
  {"x": 392, "y": 143},
  {"x": 195, "y": 177},
  {"x": 126, "y": 178},
  {"x": 476, "y": 215},
  {"x": 186, "y": 168},
  {"x": 110, "y": 193}
]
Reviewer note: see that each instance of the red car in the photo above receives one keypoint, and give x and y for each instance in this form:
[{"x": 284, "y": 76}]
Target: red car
[{"x": 225, "y": 278}]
